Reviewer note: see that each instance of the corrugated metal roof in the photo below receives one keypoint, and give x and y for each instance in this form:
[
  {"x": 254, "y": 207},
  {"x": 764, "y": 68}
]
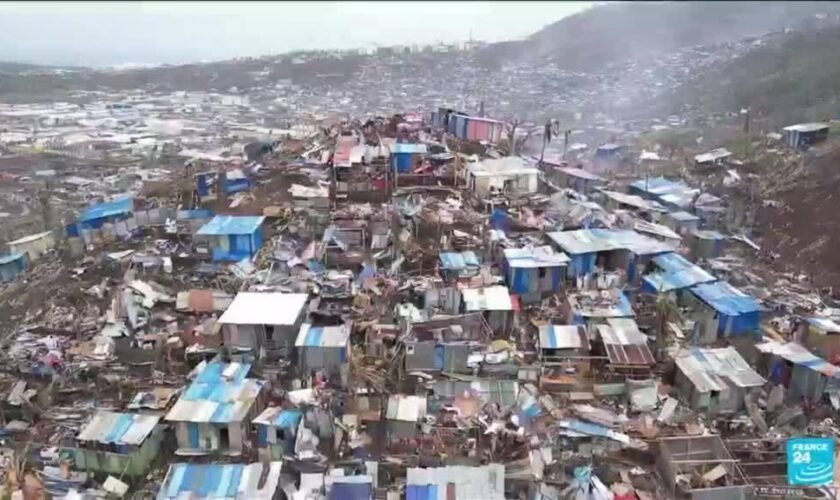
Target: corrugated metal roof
[
  {"x": 624, "y": 343},
  {"x": 263, "y": 308},
  {"x": 220, "y": 481},
  {"x": 656, "y": 230},
  {"x": 231, "y": 224},
  {"x": 485, "y": 482},
  {"x": 799, "y": 355},
  {"x": 406, "y": 408},
  {"x": 725, "y": 298},
  {"x": 119, "y": 428},
  {"x": 580, "y": 173},
  {"x": 713, "y": 155},
  {"x": 806, "y": 127},
  {"x": 456, "y": 261},
  {"x": 632, "y": 200},
  {"x": 662, "y": 186},
  {"x": 280, "y": 418},
  {"x": 542, "y": 256},
  {"x": 323, "y": 336},
  {"x": 709, "y": 368},
  {"x": 625, "y": 332},
  {"x": 561, "y": 336},
  {"x": 108, "y": 209},
  {"x": 223, "y": 372},
  {"x": 490, "y": 298},
  {"x": 30, "y": 238},
  {"x": 677, "y": 273},
  {"x": 219, "y": 394},
  {"x": 584, "y": 241}
]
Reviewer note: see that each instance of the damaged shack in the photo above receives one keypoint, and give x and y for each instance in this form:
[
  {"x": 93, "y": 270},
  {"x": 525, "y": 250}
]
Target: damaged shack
[{"x": 213, "y": 415}]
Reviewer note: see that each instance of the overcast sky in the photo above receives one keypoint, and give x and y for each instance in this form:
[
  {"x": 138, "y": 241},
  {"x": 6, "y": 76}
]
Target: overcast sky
[{"x": 112, "y": 33}]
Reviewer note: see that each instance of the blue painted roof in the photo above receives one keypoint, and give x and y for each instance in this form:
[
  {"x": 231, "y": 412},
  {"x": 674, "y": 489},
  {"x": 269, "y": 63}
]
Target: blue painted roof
[
  {"x": 676, "y": 193},
  {"x": 402, "y": 147},
  {"x": 726, "y": 299},
  {"x": 457, "y": 261},
  {"x": 677, "y": 273},
  {"x": 212, "y": 373},
  {"x": 6, "y": 259},
  {"x": 212, "y": 397},
  {"x": 219, "y": 481},
  {"x": 108, "y": 209},
  {"x": 119, "y": 428},
  {"x": 280, "y": 418},
  {"x": 231, "y": 224}
]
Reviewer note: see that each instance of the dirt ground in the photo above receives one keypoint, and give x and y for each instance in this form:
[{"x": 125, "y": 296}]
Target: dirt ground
[{"x": 802, "y": 222}]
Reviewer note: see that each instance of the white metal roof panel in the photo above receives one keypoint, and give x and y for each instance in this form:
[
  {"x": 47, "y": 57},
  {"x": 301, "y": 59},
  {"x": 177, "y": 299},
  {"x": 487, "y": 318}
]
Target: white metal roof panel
[
  {"x": 491, "y": 298},
  {"x": 255, "y": 308}
]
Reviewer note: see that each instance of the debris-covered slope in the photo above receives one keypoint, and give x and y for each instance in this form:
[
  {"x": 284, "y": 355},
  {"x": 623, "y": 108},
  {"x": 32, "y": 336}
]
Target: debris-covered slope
[
  {"x": 790, "y": 78},
  {"x": 609, "y": 33},
  {"x": 798, "y": 217}
]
